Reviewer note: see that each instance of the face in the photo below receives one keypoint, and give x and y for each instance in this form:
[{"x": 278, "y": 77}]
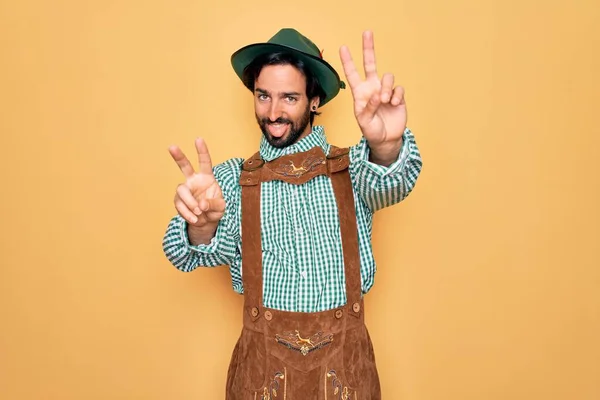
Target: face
[{"x": 281, "y": 105}]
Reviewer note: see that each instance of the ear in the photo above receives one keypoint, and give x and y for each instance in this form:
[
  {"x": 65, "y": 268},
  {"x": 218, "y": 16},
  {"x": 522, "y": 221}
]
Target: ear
[{"x": 314, "y": 103}]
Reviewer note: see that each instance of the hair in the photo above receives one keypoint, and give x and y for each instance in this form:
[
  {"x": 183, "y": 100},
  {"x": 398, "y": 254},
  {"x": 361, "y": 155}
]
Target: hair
[{"x": 313, "y": 88}]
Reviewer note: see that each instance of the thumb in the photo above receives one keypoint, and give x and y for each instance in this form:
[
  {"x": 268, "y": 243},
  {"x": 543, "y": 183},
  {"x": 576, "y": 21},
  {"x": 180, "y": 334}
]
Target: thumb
[
  {"x": 370, "y": 109},
  {"x": 212, "y": 205}
]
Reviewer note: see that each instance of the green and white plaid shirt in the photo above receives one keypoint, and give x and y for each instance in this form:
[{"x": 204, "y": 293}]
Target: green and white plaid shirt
[{"x": 303, "y": 266}]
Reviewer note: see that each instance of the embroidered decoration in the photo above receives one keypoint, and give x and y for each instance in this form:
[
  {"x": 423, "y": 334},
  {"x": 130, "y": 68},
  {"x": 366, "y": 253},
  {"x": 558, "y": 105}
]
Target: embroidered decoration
[
  {"x": 307, "y": 165},
  {"x": 340, "y": 391},
  {"x": 270, "y": 392},
  {"x": 293, "y": 341},
  {"x": 296, "y": 170}
]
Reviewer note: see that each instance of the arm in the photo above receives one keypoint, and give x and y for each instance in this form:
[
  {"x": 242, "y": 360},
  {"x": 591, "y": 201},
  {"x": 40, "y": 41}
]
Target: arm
[
  {"x": 223, "y": 247},
  {"x": 204, "y": 233},
  {"x": 379, "y": 185}
]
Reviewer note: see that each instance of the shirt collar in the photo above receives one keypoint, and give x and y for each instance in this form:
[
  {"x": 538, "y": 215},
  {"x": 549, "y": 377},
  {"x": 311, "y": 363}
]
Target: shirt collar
[{"x": 315, "y": 138}]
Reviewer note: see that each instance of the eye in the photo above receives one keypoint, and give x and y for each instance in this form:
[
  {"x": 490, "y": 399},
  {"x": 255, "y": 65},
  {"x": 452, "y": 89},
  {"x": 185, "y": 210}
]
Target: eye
[
  {"x": 291, "y": 99},
  {"x": 263, "y": 97}
]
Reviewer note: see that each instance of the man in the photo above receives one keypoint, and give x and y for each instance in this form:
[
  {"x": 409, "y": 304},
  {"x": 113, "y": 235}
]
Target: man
[{"x": 297, "y": 215}]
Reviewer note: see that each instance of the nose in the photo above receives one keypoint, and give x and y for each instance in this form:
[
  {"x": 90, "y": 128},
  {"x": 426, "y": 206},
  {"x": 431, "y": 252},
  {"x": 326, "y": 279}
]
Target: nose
[{"x": 275, "y": 110}]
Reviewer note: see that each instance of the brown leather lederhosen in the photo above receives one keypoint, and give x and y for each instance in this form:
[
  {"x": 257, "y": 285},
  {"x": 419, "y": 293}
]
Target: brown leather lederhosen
[{"x": 284, "y": 355}]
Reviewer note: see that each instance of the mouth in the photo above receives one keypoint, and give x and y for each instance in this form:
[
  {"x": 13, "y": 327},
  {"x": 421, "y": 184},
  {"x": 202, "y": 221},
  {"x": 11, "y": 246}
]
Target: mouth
[{"x": 278, "y": 129}]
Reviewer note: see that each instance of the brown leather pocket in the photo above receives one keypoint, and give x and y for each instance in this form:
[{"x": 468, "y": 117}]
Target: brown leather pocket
[
  {"x": 359, "y": 367},
  {"x": 233, "y": 364},
  {"x": 250, "y": 374}
]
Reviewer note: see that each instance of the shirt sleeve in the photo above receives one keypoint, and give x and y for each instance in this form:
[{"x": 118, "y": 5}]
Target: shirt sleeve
[
  {"x": 225, "y": 245},
  {"x": 380, "y": 186}
]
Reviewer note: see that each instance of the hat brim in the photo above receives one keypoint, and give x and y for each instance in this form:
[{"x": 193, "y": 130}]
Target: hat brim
[{"x": 327, "y": 76}]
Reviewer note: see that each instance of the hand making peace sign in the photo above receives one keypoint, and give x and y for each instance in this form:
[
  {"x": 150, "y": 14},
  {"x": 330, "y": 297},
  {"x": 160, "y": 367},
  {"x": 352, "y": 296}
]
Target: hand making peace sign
[
  {"x": 379, "y": 107},
  {"x": 199, "y": 199}
]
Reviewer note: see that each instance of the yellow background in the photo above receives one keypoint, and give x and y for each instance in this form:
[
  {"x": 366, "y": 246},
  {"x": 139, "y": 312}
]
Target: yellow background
[{"x": 489, "y": 278}]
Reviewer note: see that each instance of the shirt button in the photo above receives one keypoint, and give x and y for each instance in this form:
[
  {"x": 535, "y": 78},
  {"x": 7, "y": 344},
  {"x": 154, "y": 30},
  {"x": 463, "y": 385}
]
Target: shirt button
[
  {"x": 303, "y": 273},
  {"x": 299, "y": 231}
]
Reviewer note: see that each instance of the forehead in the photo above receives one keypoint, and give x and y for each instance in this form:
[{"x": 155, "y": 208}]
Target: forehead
[{"x": 281, "y": 78}]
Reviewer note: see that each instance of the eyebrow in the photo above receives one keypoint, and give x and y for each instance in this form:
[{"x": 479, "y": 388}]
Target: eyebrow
[{"x": 285, "y": 94}]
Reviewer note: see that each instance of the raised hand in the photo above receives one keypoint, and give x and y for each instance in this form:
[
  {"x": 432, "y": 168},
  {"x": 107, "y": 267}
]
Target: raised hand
[
  {"x": 199, "y": 199},
  {"x": 379, "y": 107}
]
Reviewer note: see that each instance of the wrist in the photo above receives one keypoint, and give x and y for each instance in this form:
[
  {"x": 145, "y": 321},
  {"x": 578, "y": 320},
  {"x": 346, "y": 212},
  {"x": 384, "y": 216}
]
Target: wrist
[
  {"x": 201, "y": 235},
  {"x": 385, "y": 153}
]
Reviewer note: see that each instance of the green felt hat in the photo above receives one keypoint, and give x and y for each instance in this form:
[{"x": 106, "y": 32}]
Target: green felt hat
[{"x": 293, "y": 41}]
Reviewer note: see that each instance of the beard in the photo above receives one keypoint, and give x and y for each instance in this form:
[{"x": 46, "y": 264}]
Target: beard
[{"x": 296, "y": 129}]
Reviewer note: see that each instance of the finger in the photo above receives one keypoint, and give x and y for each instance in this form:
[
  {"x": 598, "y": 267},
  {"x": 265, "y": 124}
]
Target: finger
[
  {"x": 213, "y": 205},
  {"x": 185, "y": 212},
  {"x": 182, "y": 161},
  {"x": 185, "y": 195},
  {"x": 369, "y": 55},
  {"x": 370, "y": 109},
  {"x": 203, "y": 157},
  {"x": 387, "y": 85},
  {"x": 398, "y": 96},
  {"x": 213, "y": 216},
  {"x": 350, "y": 71}
]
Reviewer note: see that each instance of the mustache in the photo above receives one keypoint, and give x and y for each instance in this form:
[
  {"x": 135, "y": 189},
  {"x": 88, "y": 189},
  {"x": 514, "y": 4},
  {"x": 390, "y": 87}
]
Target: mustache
[{"x": 279, "y": 120}]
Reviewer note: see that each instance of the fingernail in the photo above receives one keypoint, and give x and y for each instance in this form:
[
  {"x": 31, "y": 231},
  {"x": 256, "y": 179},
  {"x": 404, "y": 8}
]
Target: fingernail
[
  {"x": 194, "y": 220},
  {"x": 197, "y": 211}
]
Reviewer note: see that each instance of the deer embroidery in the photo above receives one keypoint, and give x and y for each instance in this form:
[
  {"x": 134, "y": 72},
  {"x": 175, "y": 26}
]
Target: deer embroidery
[
  {"x": 294, "y": 341},
  {"x": 297, "y": 170},
  {"x": 302, "y": 341}
]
